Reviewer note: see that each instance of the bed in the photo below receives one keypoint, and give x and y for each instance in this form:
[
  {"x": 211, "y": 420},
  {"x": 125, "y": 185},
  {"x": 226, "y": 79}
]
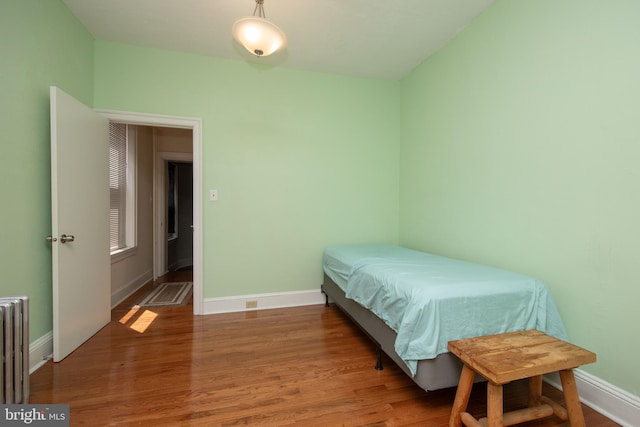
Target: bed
[{"x": 411, "y": 304}]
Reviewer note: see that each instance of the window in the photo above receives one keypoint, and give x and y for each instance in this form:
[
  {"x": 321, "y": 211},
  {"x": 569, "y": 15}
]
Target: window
[{"x": 122, "y": 186}]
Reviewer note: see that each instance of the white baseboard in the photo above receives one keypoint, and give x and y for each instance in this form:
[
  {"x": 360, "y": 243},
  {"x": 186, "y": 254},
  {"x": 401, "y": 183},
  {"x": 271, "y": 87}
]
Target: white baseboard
[
  {"x": 127, "y": 290},
  {"x": 263, "y": 301},
  {"x": 40, "y": 351},
  {"x": 611, "y": 401}
]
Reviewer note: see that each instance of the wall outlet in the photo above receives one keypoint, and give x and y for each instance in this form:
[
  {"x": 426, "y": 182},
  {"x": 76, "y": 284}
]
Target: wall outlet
[
  {"x": 251, "y": 304},
  {"x": 213, "y": 195}
]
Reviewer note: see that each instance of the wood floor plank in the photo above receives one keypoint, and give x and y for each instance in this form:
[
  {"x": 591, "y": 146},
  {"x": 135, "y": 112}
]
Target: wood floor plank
[{"x": 306, "y": 366}]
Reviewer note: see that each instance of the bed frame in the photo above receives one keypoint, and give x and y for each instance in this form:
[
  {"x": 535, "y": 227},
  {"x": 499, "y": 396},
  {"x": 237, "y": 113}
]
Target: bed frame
[{"x": 441, "y": 372}]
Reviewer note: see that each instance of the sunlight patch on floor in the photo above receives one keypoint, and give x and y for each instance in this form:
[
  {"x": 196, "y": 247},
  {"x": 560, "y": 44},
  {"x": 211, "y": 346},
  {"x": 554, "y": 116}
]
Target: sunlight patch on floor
[
  {"x": 124, "y": 319},
  {"x": 138, "y": 320}
]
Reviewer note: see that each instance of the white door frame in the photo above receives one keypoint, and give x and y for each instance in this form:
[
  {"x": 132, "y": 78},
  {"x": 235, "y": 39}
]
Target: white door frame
[{"x": 195, "y": 124}]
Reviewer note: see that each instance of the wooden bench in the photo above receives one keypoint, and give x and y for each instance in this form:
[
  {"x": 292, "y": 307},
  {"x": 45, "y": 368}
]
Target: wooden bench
[{"x": 513, "y": 356}]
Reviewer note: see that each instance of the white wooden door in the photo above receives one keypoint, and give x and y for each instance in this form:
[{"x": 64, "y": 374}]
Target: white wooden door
[{"x": 80, "y": 208}]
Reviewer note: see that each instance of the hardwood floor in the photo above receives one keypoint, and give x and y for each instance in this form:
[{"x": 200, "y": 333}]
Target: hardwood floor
[{"x": 305, "y": 366}]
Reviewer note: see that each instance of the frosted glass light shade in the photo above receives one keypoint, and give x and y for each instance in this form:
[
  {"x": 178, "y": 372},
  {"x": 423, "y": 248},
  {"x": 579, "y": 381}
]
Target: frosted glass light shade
[{"x": 258, "y": 36}]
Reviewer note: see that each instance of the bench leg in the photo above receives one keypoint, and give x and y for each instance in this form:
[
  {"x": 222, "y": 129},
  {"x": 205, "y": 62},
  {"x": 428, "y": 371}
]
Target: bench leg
[
  {"x": 494, "y": 405},
  {"x": 462, "y": 396},
  {"x": 535, "y": 391},
  {"x": 572, "y": 401}
]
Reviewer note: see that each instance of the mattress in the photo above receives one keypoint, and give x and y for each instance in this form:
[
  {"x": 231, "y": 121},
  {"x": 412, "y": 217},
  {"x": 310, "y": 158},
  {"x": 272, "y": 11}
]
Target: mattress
[{"x": 428, "y": 300}]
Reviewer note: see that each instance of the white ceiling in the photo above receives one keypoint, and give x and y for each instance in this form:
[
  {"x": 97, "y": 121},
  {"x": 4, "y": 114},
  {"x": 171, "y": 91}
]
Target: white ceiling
[{"x": 367, "y": 38}]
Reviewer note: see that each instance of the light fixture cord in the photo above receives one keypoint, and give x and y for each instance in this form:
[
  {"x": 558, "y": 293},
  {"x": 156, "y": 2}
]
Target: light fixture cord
[{"x": 259, "y": 9}]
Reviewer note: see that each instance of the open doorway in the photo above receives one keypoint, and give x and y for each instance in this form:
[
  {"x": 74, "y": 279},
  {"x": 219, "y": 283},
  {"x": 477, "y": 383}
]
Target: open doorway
[
  {"x": 165, "y": 129},
  {"x": 173, "y": 200},
  {"x": 179, "y": 216}
]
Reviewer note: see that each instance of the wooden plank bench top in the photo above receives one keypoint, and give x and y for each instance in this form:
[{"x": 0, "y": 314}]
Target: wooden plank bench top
[
  {"x": 507, "y": 357},
  {"x": 513, "y": 356}
]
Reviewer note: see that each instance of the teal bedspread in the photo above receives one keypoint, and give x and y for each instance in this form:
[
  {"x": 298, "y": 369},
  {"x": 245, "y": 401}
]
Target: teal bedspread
[{"x": 429, "y": 300}]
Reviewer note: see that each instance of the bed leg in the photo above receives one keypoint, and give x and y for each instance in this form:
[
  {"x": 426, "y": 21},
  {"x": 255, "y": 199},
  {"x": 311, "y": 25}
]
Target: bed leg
[
  {"x": 379, "y": 366},
  {"x": 326, "y": 299}
]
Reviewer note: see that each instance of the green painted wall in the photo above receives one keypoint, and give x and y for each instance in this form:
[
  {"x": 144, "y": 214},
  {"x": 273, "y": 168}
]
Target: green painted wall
[
  {"x": 42, "y": 44},
  {"x": 520, "y": 148},
  {"x": 301, "y": 160}
]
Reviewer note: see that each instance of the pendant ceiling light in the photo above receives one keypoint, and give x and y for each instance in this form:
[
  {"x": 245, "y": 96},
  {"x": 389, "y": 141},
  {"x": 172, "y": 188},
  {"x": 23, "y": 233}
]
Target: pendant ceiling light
[{"x": 257, "y": 35}]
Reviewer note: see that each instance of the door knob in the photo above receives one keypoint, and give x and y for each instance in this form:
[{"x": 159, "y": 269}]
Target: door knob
[
  {"x": 67, "y": 238},
  {"x": 51, "y": 239}
]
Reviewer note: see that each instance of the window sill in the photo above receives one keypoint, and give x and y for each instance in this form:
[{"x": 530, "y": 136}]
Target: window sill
[{"x": 121, "y": 254}]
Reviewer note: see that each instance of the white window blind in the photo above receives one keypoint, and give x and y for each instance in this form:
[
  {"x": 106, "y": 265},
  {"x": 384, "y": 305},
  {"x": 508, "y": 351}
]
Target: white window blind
[{"x": 117, "y": 185}]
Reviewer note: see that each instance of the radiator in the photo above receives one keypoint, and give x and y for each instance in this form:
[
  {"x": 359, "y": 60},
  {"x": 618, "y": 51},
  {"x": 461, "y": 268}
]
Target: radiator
[{"x": 14, "y": 338}]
